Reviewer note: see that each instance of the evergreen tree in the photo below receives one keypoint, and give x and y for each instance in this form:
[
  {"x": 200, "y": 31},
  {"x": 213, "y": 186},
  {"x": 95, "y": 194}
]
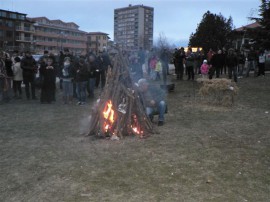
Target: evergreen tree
[
  {"x": 262, "y": 34},
  {"x": 212, "y": 32}
]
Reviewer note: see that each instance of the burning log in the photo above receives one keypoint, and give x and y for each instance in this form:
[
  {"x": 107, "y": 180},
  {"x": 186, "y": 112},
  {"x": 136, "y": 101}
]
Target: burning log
[{"x": 119, "y": 110}]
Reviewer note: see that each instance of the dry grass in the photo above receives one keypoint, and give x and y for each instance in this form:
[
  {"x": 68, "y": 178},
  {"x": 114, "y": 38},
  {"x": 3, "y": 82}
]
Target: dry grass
[
  {"x": 202, "y": 153},
  {"x": 218, "y": 91}
]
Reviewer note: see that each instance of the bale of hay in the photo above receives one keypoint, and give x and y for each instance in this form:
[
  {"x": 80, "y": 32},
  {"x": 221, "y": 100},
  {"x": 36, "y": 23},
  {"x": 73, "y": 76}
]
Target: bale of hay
[{"x": 219, "y": 91}]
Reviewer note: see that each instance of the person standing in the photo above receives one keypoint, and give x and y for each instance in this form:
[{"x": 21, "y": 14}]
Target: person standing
[
  {"x": 81, "y": 78},
  {"x": 252, "y": 56},
  {"x": 224, "y": 67},
  {"x": 241, "y": 63},
  {"x": 231, "y": 61},
  {"x": 28, "y": 64},
  {"x": 67, "y": 77},
  {"x": 190, "y": 64},
  {"x": 179, "y": 63},
  {"x": 217, "y": 63},
  {"x": 3, "y": 77},
  {"x": 48, "y": 74},
  {"x": 164, "y": 57},
  {"x": 8, "y": 66},
  {"x": 17, "y": 78},
  {"x": 100, "y": 71},
  {"x": 204, "y": 69},
  {"x": 92, "y": 66},
  {"x": 261, "y": 63}
]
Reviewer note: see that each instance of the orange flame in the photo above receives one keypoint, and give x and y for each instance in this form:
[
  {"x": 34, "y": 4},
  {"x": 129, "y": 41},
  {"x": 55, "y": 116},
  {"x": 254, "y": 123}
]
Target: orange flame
[
  {"x": 108, "y": 114},
  {"x": 135, "y": 125},
  {"x": 136, "y": 130}
]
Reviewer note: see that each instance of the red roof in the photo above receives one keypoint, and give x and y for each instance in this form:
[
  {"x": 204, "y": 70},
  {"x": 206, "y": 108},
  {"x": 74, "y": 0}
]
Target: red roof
[{"x": 249, "y": 26}]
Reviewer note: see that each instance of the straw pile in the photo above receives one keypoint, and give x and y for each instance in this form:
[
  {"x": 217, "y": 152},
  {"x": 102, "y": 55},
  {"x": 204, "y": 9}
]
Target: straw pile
[{"x": 218, "y": 91}]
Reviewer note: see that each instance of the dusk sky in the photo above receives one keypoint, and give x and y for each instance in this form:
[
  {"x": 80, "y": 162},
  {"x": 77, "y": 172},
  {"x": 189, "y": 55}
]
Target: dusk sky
[{"x": 176, "y": 19}]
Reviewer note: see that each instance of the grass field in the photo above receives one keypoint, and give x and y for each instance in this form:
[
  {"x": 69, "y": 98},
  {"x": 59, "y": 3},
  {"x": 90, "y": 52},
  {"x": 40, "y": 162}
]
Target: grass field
[{"x": 202, "y": 153}]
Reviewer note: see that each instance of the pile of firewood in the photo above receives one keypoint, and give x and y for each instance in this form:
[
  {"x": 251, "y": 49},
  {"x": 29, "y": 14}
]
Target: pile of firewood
[{"x": 119, "y": 110}]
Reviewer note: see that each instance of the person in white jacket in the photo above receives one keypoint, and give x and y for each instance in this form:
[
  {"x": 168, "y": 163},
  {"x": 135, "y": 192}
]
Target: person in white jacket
[{"x": 17, "y": 78}]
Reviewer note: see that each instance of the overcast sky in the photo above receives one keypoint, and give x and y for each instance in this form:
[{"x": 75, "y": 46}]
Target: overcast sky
[{"x": 176, "y": 19}]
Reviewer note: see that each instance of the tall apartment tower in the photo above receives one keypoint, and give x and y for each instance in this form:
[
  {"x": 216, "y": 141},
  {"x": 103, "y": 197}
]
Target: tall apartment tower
[{"x": 133, "y": 27}]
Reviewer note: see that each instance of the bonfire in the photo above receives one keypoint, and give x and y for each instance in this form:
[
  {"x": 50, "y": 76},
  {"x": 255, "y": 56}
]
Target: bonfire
[{"x": 119, "y": 111}]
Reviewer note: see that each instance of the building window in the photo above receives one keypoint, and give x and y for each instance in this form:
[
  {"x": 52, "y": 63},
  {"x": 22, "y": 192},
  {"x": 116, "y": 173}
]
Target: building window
[
  {"x": 13, "y": 15},
  {"x": 21, "y": 17},
  {"x": 9, "y": 34},
  {"x": 3, "y": 14},
  {"x": 9, "y": 23}
]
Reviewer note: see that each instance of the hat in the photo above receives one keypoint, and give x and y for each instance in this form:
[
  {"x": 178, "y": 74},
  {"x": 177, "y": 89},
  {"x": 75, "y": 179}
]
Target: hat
[{"x": 204, "y": 61}]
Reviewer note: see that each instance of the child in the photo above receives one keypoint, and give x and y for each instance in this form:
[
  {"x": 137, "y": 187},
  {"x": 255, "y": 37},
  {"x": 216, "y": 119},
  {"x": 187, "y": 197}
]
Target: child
[
  {"x": 204, "y": 69},
  {"x": 158, "y": 69},
  {"x": 152, "y": 65},
  {"x": 17, "y": 78}
]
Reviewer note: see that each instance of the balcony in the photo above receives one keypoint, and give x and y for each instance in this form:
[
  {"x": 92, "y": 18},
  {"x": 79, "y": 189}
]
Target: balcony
[
  {"x": 25, "y": 29},
  {"x": 24, "y": 39}
]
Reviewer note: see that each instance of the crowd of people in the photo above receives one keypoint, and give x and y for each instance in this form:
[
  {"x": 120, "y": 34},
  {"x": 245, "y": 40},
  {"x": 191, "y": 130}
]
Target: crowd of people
[
  {"x": 237, "y": 64},
  {"x": 78, "y": 76}
]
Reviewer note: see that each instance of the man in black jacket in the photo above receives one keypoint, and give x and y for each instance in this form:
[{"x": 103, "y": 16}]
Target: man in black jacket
[
  {"x": 28, "y": 64},
  {"x": 217, "y": 63},
  {"x": 231, "y": 61}
]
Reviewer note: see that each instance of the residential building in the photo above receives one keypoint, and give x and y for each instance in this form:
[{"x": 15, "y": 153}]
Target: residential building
[
  {"x": 97, "y": 41},
  {"x": 16, "y": 31},
  {"x": 133, "y": 27},
  {"x": 56, "y": 35},
  {"x": 242, "y": 40}
]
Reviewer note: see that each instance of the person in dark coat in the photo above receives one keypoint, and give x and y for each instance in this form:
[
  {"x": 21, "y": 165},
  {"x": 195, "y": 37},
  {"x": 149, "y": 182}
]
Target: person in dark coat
[
  {"x": 81, "y": 78},
  {"x": 217, "y": 63},
  {"x": 48, "y": 74},
  {"x": 92, "y": 66},
  {"x": 28, "y": 64},
  {"x": 179, "y": 59},
  {"x": 164, "y": 57},
  {"x": 100, "y": 71},
  {"x": 8, "y": 65},
  {"x": 231, "y": 61},
  {"x": 153, "y": 98}
]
